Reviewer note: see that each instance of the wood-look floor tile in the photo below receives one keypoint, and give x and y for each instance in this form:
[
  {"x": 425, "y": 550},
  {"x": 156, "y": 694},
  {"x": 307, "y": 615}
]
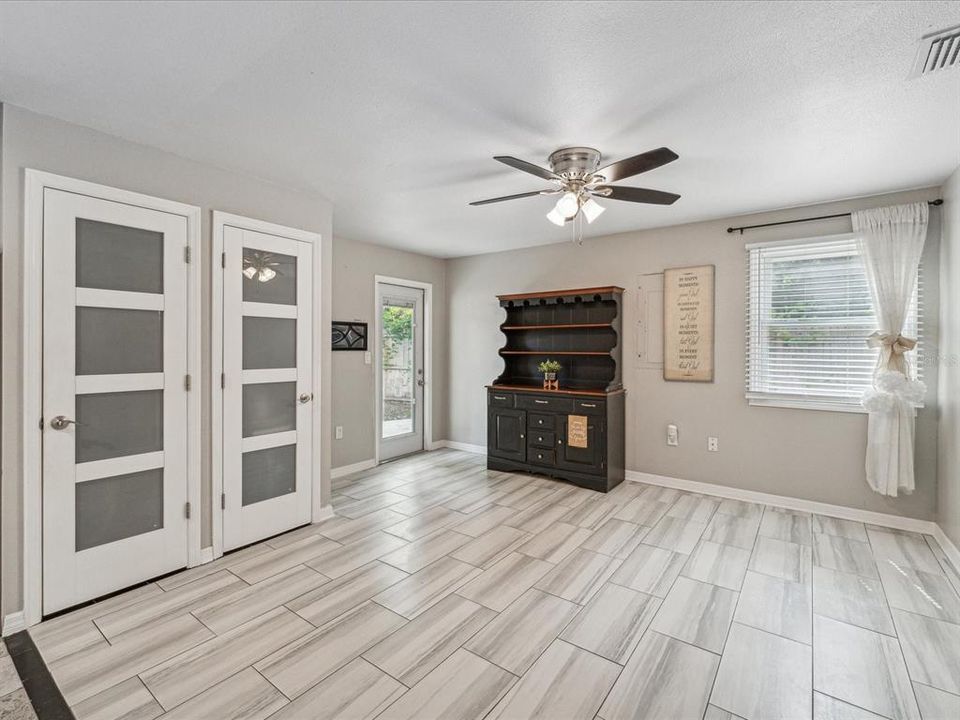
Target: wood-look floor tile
[
  {"x": 128, "y": 700},
  {"x": 426, "y": 523},
  {"x": 904, "y": 550},
  {"x": 524, "y": 497},
  {"x": 786, "y": 525},
  {"x": 355, "y": 508},
  {"x": 920, "y": 592},
  {"x": 663, "y": 494},
  {"x": 423, "y": 501},
  {"x": 733, "y": 530},
  {"x": 786, "y": 560},
  {"x": 694, "y": 507},
  {"x": 201, "y": 667},
  {"x": 579, "y": 576},
  {"x": 353, "y": 530},
  {"x": 949, "y": 570},
  {"x": 244, "y": 696},
  {"x": 414, "y": 650},
  {"x": 489, "y": 548},
  {"x": 520, "y": 634},
  {"x": 849, "y": 556},
  {"x": 740, "y": 508},
  {"x": 616, "y": 538},
  {"x": 650, "y": 570},
  {"x": 931, "y": 648},
  {"x": 304, "y": 662},
  {"x": 675, "y": 534},
  {"x": 697, "y": 613},
  {"x": 505, "y": 581},
  {"x": 225, "y": 562},
  {"x": 262, "y": 566},
  {"x": 230, "y": 609},
  {"x": 852, "y": 599},
  {"x": 778, "y": 606},
  {"x": 538, "y": 517},
  {"x": 484, "y": 520},
  {"x": 829, "y": 708},
  {"x": 763, "y": 676},
  {"x": 174, "y": 602},
  {"x": 861, "y": 667},
  {"x": 342, "y": 560},
  {"x": 464, "y": 686},
  {"x": 336, "y": 597},
  {"x": 849, "y": 529},
  {"x": 357, "y": 691},
  {"x": 417, "y": 554},
  {"x": 90, "y": 671},
  {"x": 414, "y": 594},
  {"x": 936, "y": 704},
  {"x": 613, "y": 622},
  {"x": 715, "y": 713},
  {"x": 590, "y": 513},
  {"x": 556, "y": 542},
  {"x": 664, "y": 678},
  {"x": 723, "y": 565},
  {"x": 644, "y": 511},
  {"x": 565, "y": 682},
  {"x": 470, "y": 502}
]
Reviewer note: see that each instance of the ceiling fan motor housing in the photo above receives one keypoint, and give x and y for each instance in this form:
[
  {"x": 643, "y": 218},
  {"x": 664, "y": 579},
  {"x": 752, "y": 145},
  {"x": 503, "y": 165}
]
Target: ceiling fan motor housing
[{"x": 575, "y": 163}]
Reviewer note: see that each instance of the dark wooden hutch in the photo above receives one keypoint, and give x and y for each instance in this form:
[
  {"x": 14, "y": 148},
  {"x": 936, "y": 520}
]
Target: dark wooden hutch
[{"x": 526, "y": 424}]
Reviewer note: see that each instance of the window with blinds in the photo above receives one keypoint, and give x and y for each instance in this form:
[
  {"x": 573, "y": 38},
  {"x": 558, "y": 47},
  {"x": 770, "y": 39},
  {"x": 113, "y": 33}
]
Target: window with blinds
[{"x": 808, "y": 316}]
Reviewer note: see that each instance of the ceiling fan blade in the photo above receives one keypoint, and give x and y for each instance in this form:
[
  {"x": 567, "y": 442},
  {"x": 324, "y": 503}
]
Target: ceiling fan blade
[
  {"x": 638, "y": 195},
  {"x": 637, "y": 164},
  {"x": 527, "y": 167},
  {"x": 509, "y": 197}
]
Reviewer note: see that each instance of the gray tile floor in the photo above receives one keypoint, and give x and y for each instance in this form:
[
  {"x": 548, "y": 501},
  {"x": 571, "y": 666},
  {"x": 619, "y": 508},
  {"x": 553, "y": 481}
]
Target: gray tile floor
[{"x": 443, "y": 590}]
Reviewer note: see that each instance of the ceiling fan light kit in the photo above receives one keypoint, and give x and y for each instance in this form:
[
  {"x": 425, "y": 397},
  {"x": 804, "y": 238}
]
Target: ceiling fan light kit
[{"x": 578, "y": 179}]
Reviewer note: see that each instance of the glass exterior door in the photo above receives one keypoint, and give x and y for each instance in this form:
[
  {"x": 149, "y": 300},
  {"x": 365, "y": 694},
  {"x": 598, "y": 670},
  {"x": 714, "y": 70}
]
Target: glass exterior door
[
  {"x": 114, "y": 397},
  {"x": 400, "y": 405},
  {"x": 267, "y": 379}
]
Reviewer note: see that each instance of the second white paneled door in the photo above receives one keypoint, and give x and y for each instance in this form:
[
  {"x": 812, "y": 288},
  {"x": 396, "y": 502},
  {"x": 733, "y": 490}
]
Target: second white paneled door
[{"x": 268, "y": 393}]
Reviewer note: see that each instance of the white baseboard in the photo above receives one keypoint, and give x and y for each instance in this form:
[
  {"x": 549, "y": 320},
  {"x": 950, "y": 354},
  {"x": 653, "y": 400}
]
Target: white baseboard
[
  {"x": 326, "y": 512},
  {"x": 338, "y": 472},
  {"x": 925, "y": 527},
  {"x": 465, "y": 447},
  {"x": 951, "y": 551},
  {"x": 14, "y": 623}
]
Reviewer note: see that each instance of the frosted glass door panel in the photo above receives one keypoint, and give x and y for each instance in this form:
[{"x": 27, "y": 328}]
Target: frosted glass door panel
[
  {"x": 269, "y": 343},
  {"x": 116, "y": 424},
  {"x": 112, "y": 341},
  {"x": 269, "y": 408},
  {"x": 114, "y": 508},
  {"x": 115, "y": 257},
  {"x": 269, "y": 473},
  {"x": 269, "y": 277}
]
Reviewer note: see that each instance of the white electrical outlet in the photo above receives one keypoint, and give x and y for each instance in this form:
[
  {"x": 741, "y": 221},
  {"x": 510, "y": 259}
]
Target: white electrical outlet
[
  {"x": 713, "y": 444},
  {"x": 339, "y": 432},
  {"x": 367, "y": 358},
  {"x": 673, "y": 435}
]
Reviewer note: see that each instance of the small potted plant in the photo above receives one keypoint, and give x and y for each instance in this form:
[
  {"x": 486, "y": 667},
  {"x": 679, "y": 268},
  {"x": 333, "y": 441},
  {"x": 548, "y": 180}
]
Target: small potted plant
[{"x": 550, "y": 368}]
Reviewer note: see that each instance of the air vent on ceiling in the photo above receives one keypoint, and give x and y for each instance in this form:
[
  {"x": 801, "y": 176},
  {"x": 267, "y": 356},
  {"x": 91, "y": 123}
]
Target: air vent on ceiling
[{"x": 938, "y": 51}]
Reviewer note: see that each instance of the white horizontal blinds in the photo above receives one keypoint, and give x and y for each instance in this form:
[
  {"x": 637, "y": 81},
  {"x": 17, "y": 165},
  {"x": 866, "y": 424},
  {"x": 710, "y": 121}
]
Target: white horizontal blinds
[{"x": 809, "y": 313}]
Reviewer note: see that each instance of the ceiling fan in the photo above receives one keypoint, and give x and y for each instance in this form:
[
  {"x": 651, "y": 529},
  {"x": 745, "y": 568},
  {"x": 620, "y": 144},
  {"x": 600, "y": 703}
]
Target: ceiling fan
[{"x": 578, "y": 179}]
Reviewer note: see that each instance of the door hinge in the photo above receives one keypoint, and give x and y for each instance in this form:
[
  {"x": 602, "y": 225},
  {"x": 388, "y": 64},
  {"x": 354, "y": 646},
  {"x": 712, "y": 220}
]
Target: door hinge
[
  {"x": 186, "y": 254},
  {"x": 223, "y": 501},
  {"x": 187, "y": 382},
  {"x": 223, "y": 259},
  {"x": 41, "y": 422},
  {"x": 223, "y": 380},
  {"x": 186, "y": 510}
]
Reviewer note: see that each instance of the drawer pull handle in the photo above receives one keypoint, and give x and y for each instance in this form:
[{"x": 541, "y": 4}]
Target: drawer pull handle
[
  {"x": 559, "y": 442},
  {"x": 587, "y": 405},
  {"x": 542, "y": 402},
  {"x": 539, "y": 439},
  {"x": 539, "y": 456},
  {"x": 499, "y": 397},
  {"x": 521, "y": 436},
  {"x": 540, "y": 421}
]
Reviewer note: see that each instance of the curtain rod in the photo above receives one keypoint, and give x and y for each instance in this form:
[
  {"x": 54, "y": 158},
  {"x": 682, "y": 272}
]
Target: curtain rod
[{"x": 938, "y": 201}]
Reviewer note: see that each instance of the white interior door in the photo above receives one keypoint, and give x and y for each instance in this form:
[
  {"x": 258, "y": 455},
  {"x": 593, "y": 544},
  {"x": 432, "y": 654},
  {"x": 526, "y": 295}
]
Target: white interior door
[
  {"x": 400, "y": 405},
  {"x": 268, "y": 359},
  {"x": 115, "y": 483}
]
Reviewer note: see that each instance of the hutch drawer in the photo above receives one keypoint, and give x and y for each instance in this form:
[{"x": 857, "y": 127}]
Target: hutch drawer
[
  {"x": 499, "y": 399},
  {"x": 538, "y": 403},
  {"x": 541, "y": 438},
  {"x": 541, "y": 457},
  {"x": 542, "y": 421}
]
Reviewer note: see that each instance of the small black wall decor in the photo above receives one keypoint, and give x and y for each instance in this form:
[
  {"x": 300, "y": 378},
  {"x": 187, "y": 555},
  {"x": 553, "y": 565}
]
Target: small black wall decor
[{"x": 349, "y": 335}]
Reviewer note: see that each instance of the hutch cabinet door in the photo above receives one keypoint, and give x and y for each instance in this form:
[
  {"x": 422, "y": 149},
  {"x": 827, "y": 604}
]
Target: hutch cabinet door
[
  {"x": 506, "y": 429},
  {"x": 586, "y": 460}
]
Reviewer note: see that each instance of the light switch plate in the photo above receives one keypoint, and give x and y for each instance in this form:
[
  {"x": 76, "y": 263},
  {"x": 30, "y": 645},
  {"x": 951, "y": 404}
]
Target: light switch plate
[
  {"x": 673, "y": 435},
  {"x": 339, "y": 432},
  {"x": 368, "y": 358}
]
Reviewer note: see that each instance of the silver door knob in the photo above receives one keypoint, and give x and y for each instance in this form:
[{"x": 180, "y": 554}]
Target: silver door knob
[
  {"x": 61, "y": 422},
  {"x": 305, "y": 398}
]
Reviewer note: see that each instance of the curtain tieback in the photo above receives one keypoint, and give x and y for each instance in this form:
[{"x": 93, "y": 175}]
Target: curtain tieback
[{"x": 896, "y": 344}]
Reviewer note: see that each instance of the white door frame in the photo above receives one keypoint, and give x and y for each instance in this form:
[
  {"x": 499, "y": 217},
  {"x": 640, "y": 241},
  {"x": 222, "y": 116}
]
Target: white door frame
[
  {"x": 35, "y": 182},
  {"x": 427, "y": 409},
  {"x": 221, "y": 220}
]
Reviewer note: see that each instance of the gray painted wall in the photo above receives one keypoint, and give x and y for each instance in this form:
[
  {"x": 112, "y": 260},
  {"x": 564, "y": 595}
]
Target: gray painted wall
[
  {"x": 35, "y": 141},
  {"x": 354, "y": 266},
  {"x": 948, "y": 468},
  {"x": 808, "y": 454}
]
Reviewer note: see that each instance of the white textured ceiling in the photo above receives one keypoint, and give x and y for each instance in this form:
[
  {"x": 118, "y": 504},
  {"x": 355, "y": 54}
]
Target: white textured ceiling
[{"x": 393, "y": 110}]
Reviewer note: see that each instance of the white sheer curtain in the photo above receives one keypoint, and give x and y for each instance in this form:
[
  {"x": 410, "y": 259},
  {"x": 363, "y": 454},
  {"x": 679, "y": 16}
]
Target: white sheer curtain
[{"x": 891, "y": 242}]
